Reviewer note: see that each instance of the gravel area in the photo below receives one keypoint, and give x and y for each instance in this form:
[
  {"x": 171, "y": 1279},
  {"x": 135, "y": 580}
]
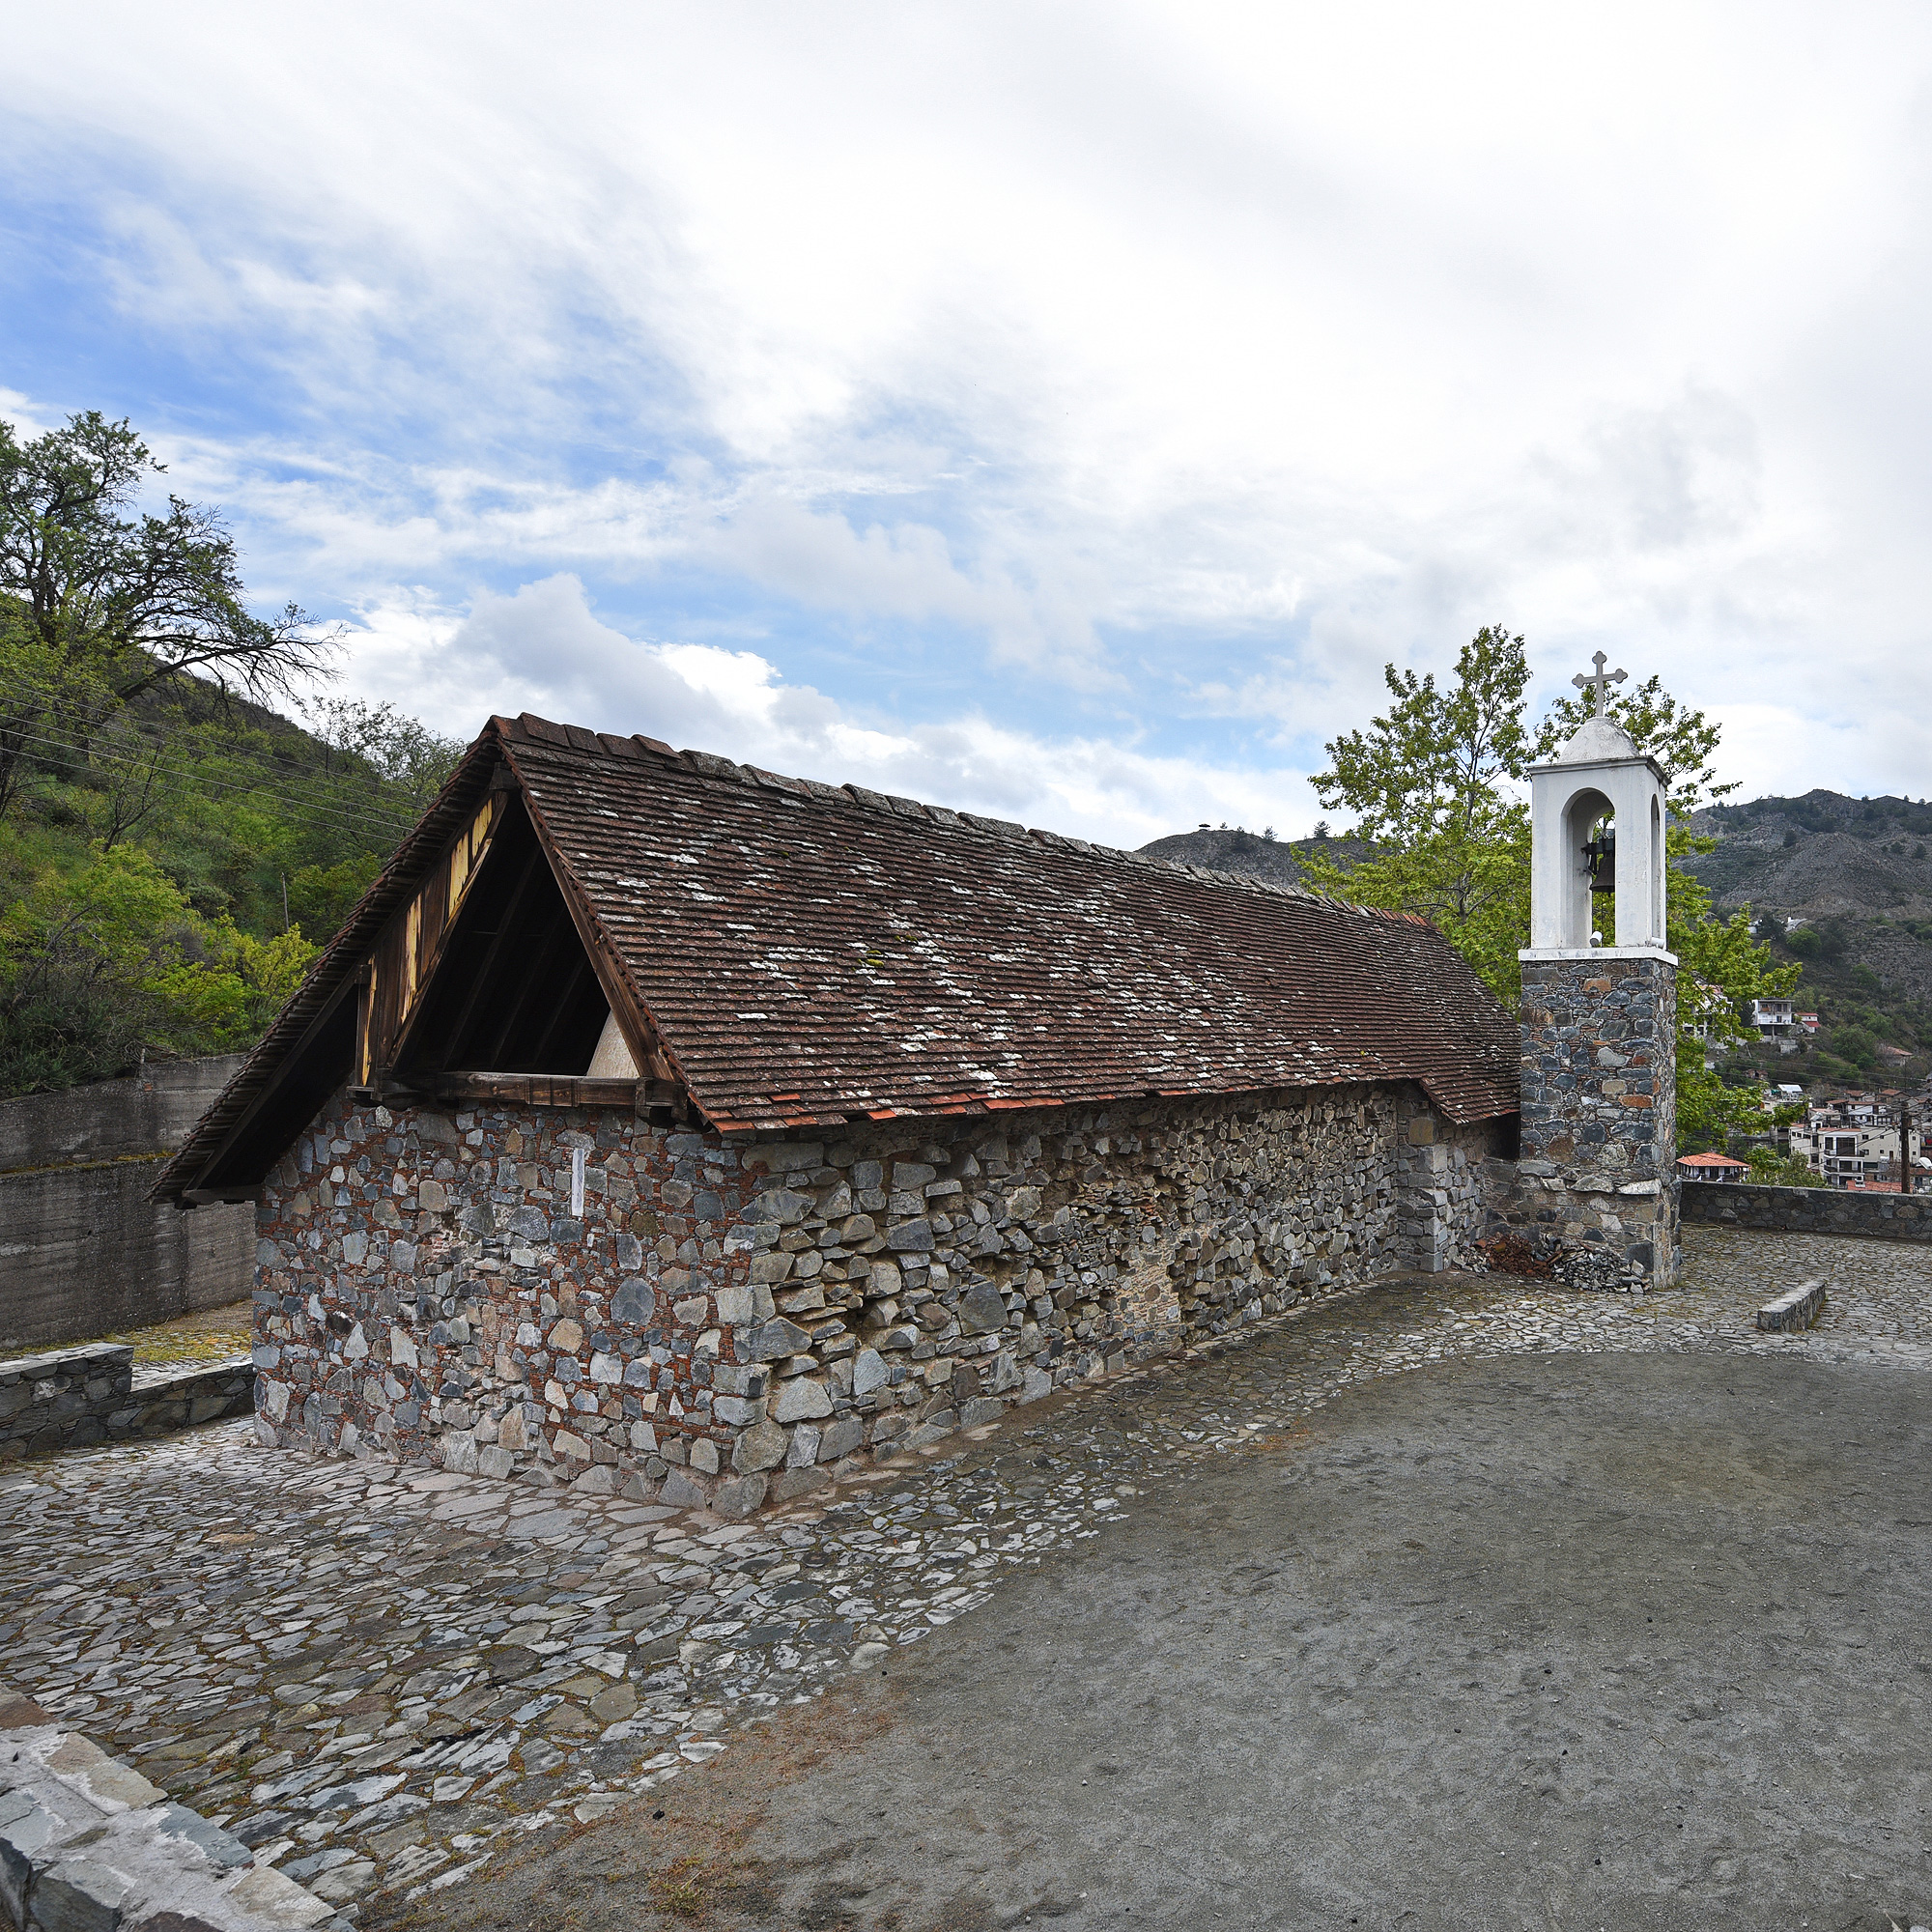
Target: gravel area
[{"x": 395, "y": 1684}]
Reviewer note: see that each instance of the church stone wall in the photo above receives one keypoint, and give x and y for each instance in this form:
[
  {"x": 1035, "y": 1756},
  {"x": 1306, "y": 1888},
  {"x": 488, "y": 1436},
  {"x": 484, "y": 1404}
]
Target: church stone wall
[
  {"x": 1448, "y": 1178},
  {"x": 720, "y": 1321}
]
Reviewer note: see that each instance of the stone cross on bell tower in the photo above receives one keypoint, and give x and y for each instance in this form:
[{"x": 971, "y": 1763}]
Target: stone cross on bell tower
[
  {"x": 1601, "y": 682},
  {"x": 1598, "y": 1023}
]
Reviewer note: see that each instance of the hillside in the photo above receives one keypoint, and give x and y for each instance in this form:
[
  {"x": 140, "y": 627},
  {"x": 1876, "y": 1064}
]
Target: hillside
[
  {"x": 1844, "y": 887},
  {"x": 165, "y": 876},
  {"x": 1820, "y": 856},
  {"x": 1853, "y": 874},
  {"x": 1235, "y": 850}
]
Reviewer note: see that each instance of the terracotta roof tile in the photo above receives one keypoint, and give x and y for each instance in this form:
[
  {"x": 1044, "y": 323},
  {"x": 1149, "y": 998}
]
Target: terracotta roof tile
[{"x": 811, "y": 954}]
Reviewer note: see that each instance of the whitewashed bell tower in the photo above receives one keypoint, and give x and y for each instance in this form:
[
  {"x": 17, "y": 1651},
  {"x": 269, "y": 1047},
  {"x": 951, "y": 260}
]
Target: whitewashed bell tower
[
  {"x": 1599, "y": 774},
  {"x": 1599, "y": 1025}
]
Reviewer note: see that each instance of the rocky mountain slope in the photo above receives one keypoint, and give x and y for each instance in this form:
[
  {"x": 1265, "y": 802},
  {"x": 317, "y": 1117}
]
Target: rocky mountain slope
[
  {"x": 1231, "y": 849},
  {"x": 1854, "y": 874},
  {"x": 1820, "y": 856}
]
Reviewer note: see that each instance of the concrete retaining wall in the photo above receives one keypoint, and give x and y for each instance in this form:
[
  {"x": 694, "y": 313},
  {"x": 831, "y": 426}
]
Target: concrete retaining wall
[
  {"x": 75, "y": 1396},
  {"x": 146, "y": 1113},
  {"x": 1809, "y": 1210},
  {"x": 82, "y": 1250}
]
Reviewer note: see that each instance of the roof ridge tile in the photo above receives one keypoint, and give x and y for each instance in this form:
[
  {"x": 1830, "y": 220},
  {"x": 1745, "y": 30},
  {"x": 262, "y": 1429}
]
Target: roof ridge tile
[
  {"x": 713, "y": 766},
  {"x": 776, "y": 780}
]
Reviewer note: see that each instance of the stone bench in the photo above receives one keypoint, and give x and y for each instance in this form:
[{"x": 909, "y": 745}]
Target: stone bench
[
  {"x": 87, "y": 1842},
  {"x": 70, "y": 1398},
  {"x": 1793, "y": 1311}
]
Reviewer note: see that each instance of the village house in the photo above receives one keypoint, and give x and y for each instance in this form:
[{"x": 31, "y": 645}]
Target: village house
[
  {"x": 1857, "y": 1145},
  {"x": 1720, "y": 1166},
  {"x": 1776, "y": 1021},
  {"x": 664, "y": 1124}
]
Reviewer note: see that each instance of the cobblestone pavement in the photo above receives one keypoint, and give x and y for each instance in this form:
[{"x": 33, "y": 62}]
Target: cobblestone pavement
[{"x": 381, "y": 1680}]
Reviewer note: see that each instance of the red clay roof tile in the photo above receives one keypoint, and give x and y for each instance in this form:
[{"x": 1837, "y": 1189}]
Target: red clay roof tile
[
  {"x": 863, "y": 953},
  {"x": 813, "y": 954}
]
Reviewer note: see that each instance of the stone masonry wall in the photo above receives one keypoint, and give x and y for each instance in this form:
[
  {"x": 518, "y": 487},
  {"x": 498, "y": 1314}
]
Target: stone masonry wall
[
  {"x": 1808, "y": 1211},
  {"x": 1599, "y": 1078},
  {"x": 720, "y": 1321},
  {"x": 1446, "y": 1180},
  {"x": 75, "y": 1396}
]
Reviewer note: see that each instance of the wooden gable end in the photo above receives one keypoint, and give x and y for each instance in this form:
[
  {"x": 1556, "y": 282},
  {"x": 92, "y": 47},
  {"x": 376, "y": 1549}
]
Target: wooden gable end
[{"x": 405, "y": 955}]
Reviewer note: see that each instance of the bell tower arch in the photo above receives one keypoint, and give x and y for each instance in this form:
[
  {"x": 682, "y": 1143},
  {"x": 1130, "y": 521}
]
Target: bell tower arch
[{"x": 1599, "y": 1021}]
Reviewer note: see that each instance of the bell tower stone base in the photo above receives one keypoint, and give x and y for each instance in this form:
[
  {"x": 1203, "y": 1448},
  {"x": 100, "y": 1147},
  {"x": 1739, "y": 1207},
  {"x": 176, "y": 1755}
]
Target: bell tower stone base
[{"x": 1596, "y": 1180}]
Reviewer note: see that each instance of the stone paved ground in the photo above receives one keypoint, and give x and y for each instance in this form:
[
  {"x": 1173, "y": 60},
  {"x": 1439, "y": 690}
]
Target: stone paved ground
[{"x": 396, "y": 1685}]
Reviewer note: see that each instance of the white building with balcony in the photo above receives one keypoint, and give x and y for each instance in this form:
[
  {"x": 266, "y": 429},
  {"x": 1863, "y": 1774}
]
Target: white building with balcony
[{"x": 1847, "y": 1150}]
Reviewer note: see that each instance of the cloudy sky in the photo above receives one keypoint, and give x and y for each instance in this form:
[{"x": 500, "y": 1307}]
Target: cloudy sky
[{"x": 1059, "y": 410}]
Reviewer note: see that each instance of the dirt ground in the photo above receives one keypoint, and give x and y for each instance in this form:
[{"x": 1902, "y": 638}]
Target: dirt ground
[{"x": 1607, "y": 1641}]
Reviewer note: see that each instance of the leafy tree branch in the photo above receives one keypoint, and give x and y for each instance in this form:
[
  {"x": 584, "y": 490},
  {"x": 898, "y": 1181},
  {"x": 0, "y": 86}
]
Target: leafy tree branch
[
  {"x": 1432, "y": 786},
  {"x": 101, "y": 601}
]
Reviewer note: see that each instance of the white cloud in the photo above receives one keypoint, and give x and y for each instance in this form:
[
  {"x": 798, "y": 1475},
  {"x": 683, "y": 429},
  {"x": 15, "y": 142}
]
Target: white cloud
[
  {"x": 1161, "y": 361},
  {"x": 544, "y": 649}
]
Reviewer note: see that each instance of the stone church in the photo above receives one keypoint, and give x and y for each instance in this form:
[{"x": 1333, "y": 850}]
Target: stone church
[{"x": 685, "y": 1129}]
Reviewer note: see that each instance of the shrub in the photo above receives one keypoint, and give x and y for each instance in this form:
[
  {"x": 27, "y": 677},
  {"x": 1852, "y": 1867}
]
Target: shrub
[
  {"x": 321, "y": 897},
  {"x": 1782, "y": 1170}
]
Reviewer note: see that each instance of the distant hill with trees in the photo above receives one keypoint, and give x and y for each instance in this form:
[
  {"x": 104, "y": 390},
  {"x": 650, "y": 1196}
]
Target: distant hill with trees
[
  {"x": 1234, "y": 850},
  {"x": 172, "y": 846},
  {"x": 1844, "y": 886}
]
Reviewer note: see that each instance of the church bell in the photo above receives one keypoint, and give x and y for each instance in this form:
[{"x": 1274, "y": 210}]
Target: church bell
[{"x": 1600, "y": 860}]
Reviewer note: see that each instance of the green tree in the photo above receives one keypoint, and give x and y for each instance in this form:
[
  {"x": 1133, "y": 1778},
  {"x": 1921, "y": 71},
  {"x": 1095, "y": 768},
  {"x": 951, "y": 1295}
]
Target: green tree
[
  {"x": 1724, "y": 953},
  {"x": 1854, "y": 1043},
  {"x": 101, "y": 600},
  {"x": 321, "y": 897},
  {"x": 1782, "y": 1170},
  {"x": 1425, "y": 782},
  {"x": 403, "y": 754},
  {"x": 101, "y": 963},
  {"x": 1431, "y": 785}
]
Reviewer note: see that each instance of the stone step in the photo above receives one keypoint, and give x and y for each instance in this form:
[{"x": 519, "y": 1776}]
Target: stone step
[{"x": 85, "y": 1841}]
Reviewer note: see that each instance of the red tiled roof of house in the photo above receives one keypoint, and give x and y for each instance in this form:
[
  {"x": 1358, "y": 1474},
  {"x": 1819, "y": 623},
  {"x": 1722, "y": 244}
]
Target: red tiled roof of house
[
  {"x": 810, "y": 955},
  {"x": 1709, "y": 1160}
]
